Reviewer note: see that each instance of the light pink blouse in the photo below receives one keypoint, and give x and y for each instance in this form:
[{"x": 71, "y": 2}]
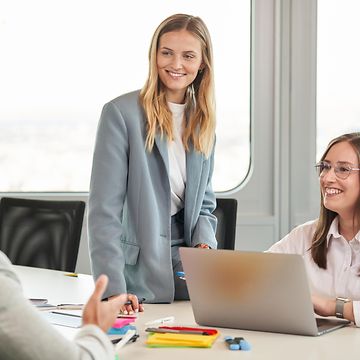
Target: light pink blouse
[{"x": 342, "y": 276}]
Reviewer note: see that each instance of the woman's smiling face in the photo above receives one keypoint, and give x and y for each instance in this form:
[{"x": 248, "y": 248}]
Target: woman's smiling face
[
  {"x": 341, "y": 195},
  {"x": 178, "y": 62}
]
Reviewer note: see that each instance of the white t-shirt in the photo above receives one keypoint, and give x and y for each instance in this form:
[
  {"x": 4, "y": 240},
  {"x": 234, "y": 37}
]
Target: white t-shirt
[
  {"x": 177, "y": 159},
  {"x": 342, "y": 276}
]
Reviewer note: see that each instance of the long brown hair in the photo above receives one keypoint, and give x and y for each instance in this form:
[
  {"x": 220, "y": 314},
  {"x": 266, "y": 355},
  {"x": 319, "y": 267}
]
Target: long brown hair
[
  {"x": 200, "y": 102},
  {"x": 319, "y": 242}
]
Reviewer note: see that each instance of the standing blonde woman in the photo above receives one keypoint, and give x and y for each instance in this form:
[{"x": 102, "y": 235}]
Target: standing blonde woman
[{"x": 150, "y": 189}]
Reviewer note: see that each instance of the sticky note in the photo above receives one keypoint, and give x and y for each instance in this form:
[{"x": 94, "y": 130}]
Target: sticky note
[
  {"x": 120, "y": 322},
  {"x": 120, "y": 331}
]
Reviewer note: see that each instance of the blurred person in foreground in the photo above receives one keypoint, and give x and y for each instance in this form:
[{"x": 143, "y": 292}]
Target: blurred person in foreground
[{"x": 25, "y": 334}]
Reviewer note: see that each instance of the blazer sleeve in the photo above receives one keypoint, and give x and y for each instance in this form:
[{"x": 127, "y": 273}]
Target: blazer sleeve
[
  {"x": 205, "y": 228},
  {"x": 108, "y": 188}
]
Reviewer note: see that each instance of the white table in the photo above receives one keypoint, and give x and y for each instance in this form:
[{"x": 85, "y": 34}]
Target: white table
[{"x": 58, "y": 288}]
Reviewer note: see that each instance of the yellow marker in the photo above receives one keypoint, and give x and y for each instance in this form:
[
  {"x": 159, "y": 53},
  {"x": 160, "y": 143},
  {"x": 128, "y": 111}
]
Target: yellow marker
[{"x": 71, "y": 274}]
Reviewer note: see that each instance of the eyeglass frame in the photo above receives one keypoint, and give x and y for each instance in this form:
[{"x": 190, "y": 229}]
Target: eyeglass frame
[{"x": 336, "y": 169}]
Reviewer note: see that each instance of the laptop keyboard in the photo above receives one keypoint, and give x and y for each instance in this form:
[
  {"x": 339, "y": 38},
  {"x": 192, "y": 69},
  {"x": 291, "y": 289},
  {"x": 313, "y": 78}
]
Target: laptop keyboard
[
  {"x": 326, "y": 325},
  {"x": 321, "y": 322}
]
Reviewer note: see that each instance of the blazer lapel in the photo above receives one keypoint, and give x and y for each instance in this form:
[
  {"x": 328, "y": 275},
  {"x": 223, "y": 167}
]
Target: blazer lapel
[{"x": 161, "y": 144}]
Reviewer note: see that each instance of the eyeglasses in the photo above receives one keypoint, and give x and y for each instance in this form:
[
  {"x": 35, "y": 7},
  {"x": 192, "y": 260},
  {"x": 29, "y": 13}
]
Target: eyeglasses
[{"x": 342, "y": 171}]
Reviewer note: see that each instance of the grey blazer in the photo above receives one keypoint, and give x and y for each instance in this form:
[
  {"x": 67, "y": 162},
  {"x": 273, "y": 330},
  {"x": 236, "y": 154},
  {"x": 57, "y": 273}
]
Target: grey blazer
[{"x": 129, "y": 204}]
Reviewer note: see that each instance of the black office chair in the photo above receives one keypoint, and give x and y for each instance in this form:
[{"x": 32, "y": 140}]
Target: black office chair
[
  {"x": 226, "y": 228},
  {"x": 41, "y": 233}
]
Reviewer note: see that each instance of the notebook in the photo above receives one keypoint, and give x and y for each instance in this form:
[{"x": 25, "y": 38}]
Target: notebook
[
  {"x": 253, "y": 291},
  {"x": 63, "y": 319}
]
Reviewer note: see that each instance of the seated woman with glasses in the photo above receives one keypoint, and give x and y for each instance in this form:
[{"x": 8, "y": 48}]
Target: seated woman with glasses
[{"x": 330, "y": 245}]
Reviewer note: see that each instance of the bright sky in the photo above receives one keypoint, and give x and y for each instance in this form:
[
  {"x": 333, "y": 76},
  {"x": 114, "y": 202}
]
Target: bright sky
[
  {"x": 62, "y": 60},
  {"x": 338, "y": 74}
]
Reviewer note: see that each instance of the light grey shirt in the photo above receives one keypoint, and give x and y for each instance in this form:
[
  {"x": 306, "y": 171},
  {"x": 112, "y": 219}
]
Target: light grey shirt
[{"x": 24, "y": 334}]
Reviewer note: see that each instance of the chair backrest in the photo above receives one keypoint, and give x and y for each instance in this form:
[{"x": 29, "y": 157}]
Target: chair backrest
[
  {"x": 226, "y": 228},
  {"x": 41, "y": 233}
]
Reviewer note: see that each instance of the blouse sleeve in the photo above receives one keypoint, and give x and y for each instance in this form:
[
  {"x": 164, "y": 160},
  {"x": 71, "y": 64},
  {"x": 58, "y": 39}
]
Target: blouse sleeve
[
  {"x": 25, "y": 334},
  {"x": 297, "y": 241},
  {"x": 356, "y": 309}
]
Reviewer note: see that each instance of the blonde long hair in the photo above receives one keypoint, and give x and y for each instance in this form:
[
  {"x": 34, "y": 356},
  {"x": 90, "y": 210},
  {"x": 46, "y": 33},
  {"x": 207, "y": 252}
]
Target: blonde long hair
[
  {"x": 319, "y": 242},
  {"x": 200, "y": 101}
]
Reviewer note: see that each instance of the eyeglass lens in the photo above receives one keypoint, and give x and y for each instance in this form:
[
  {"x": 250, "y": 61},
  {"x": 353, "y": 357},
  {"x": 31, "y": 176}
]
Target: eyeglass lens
[{"x": 341, "y": 170}]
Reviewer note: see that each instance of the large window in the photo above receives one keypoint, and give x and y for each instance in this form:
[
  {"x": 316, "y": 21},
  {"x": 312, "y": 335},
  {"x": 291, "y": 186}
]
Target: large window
[
  {"x": 338, "y": 73},
  {"x": 62, "y": 60}
]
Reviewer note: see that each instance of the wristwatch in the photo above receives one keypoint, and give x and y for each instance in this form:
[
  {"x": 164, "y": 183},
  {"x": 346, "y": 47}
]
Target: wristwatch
[{"x": 339, "y": 307}]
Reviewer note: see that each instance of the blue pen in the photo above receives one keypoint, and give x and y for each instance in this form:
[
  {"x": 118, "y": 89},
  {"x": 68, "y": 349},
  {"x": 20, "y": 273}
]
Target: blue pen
[{"x": 181, "y": 275}]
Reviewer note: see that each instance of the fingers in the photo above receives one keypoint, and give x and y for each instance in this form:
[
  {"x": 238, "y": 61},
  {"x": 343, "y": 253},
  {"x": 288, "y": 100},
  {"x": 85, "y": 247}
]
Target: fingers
[
  {"x": 133, "y": 307},
  {"x": 127, "y": 309},
  {"x": 119, "y": 300},
  {"x": 100, "y": 287},
  {"x": 202, "y": 246},
  {"x": 126, "y": 303},
  {"x": 134, "y": 301}
]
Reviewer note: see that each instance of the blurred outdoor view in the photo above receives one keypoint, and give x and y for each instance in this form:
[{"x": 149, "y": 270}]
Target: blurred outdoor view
[
  {"x": 62, "y": 61},
  {"x": 338, "y": 74}
]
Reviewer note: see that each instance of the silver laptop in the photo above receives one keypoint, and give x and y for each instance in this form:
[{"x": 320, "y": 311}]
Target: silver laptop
[{"x": 252, "y": 290}]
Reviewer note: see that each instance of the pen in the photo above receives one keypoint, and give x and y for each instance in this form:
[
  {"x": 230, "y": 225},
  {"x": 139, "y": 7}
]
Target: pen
[
  {"x": 181, "y": 275},
  {"x": 60, "y": 313},
  {"x": 175, "y": 331},
  {"x": 127, "y": 316},
  {"x": 60, "y": 307},
  {"x": 125, "y": 339},
  {"x": 39, "y": 301},
  {"x": 164, "y": 320},
  {"x": 71, "y": 274},
  {"x": 70, "y": 306},
  {"x": 133, "y": 339}
]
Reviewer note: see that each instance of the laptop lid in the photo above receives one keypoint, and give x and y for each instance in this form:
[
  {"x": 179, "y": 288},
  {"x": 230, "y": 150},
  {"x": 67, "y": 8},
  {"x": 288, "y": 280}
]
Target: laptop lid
[{"x": 250, "y": 290}]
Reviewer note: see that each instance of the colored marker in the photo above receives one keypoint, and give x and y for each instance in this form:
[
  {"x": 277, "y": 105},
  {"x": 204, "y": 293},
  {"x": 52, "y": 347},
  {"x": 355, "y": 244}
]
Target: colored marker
[{"x": 176, "y": 331}]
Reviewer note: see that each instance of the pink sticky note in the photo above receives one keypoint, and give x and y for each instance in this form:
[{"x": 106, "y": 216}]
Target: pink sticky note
[{"x": 119, "y": 323}]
